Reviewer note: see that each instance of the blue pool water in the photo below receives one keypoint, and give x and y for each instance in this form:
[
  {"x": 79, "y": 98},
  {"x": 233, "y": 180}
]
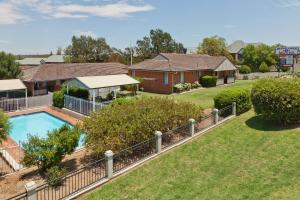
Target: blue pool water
[{"x": 35, "y": 124}]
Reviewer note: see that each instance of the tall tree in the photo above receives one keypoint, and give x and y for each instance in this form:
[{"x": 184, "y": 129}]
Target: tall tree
[
  {"x": 254, "y": 56},
  {"x": 157, "y": 42},
  {"x": 9, "y": 68},
  {"x": 213, "y": 46},
  {"x": 88, "y": 49}
]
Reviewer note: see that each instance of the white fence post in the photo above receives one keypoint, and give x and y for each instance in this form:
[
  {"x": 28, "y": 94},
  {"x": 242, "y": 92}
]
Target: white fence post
[
  {"x": 192, "y": 127},
  {"x": 158, "y": 138},
  {"x": 234, "y": 108},
  {"x": 30, "y": 189},
  {"x": 216, "y": 115},
  {"x": 109, "y": 163}
]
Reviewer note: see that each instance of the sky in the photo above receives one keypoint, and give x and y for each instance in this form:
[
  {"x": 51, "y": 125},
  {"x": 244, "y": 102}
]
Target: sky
[{"x": 39, "y": 26}]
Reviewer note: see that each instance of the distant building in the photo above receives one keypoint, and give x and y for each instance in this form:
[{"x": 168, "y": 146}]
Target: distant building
[
  {"x": 37, "y": 61},
  {"x": 237, "y": 47},
  {"x": 163, "y": 72}
]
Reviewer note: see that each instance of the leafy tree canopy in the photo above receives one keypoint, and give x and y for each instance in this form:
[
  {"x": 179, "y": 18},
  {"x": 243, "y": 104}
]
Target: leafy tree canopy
[
  {"x": 5, "y": 126},
  {"x": 88, "y": 49},
  {"x": 9, "y": 69}
]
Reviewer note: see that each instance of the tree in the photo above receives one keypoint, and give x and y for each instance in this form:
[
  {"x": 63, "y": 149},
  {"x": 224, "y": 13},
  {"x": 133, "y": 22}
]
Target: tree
[
  {"x": 87, "y": 49},
  {"x": 9, "y": 68},
  {"x": 264, "y": 67},
  {"x": 157, "y": 42},
  {"x": 5, "y": 126},
  {"x": 213, "y": 46},
  {"x": 254, "y": 56},
  {"x": 48, "y": 152}
]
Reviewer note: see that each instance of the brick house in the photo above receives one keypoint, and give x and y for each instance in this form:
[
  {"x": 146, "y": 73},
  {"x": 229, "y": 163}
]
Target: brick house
[
  {"x": 161, "y": 73},
  {"x": 49, "y": 77}
]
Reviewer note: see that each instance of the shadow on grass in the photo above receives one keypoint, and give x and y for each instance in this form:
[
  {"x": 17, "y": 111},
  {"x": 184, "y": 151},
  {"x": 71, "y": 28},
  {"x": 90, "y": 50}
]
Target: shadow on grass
[{"x": 261, "y": 124}]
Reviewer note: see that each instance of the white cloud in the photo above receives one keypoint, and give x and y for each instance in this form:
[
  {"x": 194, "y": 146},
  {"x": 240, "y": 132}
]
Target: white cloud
[
  {"x": 287, "y": 3},
  {"x": 85, "y": 33},
  {"x": 118, "y": 10},
  {"x": 11, "y": 10},
  {"x": 10, "y": 15}
]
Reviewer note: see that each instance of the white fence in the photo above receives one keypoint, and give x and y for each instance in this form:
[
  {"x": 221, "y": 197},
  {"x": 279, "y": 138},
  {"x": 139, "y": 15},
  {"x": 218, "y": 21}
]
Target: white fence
[
  {"x": 9, "y": 105},
  {"x": 82, "y": 106}
]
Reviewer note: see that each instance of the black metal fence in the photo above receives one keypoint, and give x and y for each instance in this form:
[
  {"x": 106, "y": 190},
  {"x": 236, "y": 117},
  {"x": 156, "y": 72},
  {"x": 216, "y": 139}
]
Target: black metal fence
[{"x": 96, "y": 171}]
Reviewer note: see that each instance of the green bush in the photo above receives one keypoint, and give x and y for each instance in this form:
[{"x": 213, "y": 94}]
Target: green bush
[
  {"x": 5, "y": 126},
  {"x": 187, "y": 86},
  {"x": 285, "y": 69},
  {"x": 244, "y": 69},
  {"x": 179, "y": 88},
  {"x": 277, "y": 99},
  {"x": 239, "y": 95},
  {"x": 48, "y": 152},
  {"x": 121, "y": 101},
  {"x": 121, "y": 126},
  {"x": 58, "y": 99},
  {"x": 209, "y": 81},
  {"x": 76, "y": 92},
  {"x": 55, "y": 175},
  {"x": 264, "y": 67}
]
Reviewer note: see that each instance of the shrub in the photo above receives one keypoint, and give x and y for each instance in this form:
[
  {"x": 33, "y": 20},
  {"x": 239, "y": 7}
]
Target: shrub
[
  {"x": 277, "y": 99},
  {"x": 285, "y": 69},
  {"x": 239, "y": 95},
  {"x": 209, "y": 81},
  {"x": 58, "y": 99},
  {"x": 264, "y": 67},
  {"x": 196, "y": 84},
  {"x": 244, "y": 69},
  {"x": 121, "y": 101},
  {"x": 77, "y": 92},
  {"x": 187, "y": 86},
  {"x": 48, "y": 152},
  {"x": 121, "y": 126},
  {"x": 55, "y": 175},
  {"x": 179, "y": 88},
  {"x": 5, "y": 126}
]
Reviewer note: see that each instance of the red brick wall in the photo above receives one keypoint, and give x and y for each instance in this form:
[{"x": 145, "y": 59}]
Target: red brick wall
[{"x": 153, "y": 80}]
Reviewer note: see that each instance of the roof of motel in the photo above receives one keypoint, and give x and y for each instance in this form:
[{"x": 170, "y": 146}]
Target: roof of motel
[
  {"x": 93, "y": 82},
  {"x": 183, "y": 62},
  {"x": 11, "y": 84},
  {"x": 238, "y": 45},
  {"x": 64, "y": 71}
]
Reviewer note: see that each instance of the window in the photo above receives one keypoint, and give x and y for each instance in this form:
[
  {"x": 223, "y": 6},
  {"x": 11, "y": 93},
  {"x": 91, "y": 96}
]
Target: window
[
  {"x": 181, "y": 77},
  {"x": 166, "y": 78},
  {"x": 199, "y": 74}
]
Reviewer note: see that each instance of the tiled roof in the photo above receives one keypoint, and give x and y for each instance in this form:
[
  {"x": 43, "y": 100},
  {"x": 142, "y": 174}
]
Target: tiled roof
[
  {"x": 180, "y": 62},
  {"x": 51, "y": 72},
  {"x": 30, "y": 61},
  {"x": 55, "y": 59},
  {"x": 238, "y": 45}
]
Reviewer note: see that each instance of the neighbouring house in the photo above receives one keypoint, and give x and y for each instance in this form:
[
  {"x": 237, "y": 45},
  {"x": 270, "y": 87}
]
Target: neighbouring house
[
  {"x": 237, "y": 47},
  {"x": 49, "y": 77},
  {"x": 161, "y": 73},
  {"x": 37, "y": 61}
]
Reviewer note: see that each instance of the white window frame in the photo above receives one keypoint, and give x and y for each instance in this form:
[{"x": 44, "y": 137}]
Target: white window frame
[
  {"x": 165, "y": 78},
  {"x": 181, "y": 77}
]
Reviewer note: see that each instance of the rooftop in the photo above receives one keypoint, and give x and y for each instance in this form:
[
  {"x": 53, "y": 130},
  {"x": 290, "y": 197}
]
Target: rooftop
[
  {"x": 11, "y": 84},
  {"x": 238, "y": 45},
  {"x": 64, "y": 71},
  {"x": 181, "y": 62}
]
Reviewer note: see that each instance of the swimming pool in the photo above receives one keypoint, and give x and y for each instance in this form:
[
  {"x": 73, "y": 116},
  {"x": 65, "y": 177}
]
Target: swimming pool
[{"x": 35, "y": 124}]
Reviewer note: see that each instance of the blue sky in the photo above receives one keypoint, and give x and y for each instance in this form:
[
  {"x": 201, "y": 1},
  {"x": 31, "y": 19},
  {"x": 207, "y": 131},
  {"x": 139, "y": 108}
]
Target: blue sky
[{"x": 38, "y": 26}]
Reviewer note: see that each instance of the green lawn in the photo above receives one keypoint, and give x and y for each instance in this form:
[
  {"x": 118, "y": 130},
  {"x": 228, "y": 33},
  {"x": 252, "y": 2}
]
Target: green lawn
[
  {"x": 245, "y": 158},
  {"x": 204, "y": 96}
]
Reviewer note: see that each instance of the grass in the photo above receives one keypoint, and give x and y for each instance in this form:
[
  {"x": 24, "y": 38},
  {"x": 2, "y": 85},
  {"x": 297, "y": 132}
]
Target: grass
[
  {"x": 204, "y": 96},
  {"x": 245, "y": 158}
]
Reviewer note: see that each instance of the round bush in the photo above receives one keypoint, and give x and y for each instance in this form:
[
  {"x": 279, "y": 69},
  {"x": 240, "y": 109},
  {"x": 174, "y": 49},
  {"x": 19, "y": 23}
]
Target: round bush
[
  {"x": 209, "y": 81},
  {"x": 239, "y": 95},
  {"x": 277, "y": 99},
  {"x": 58, "y": 99},
  {"x": 264, "y": 67},
  {"x": 244, "y": 69}
]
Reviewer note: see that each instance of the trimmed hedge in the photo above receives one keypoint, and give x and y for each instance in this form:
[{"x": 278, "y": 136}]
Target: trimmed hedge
[
  {"x": 209, "y": 81},
  {"x": 244, "y": 69},
  {"x": 239, "y": 95},
  {"x": 58, "y": 99},
  {"x": 277, "y": 99}
]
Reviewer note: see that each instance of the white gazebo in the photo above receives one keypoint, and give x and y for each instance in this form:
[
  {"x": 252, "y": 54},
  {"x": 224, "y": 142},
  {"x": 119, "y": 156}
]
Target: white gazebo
[
  {"x": 94, "y": 84},
  {"x": 13, "y": 85}
]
